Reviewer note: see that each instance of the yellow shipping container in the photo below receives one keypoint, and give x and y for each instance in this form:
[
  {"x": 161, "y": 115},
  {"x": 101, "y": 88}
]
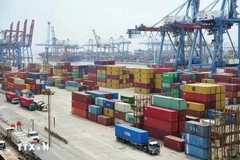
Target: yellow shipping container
[
  {"x": 223, "y": 96},
  {"x": 218, "y": 104},
  {"x": 127, "y": 76},
  {"x": 102, "y": 84},
  {"x": 127, "y": 85},
  {"x": 218, "y": 97},
  {"x": 195, "y": 106},
  {"x": 115, "y": 86},
  {"x": 113, "y": 68},
  {"x": 144, "y": 70},
  {"x": 85, "y": 77},
  {"x": 27, "y": 86},
  {"x": 56, "y": 84},
  {"x": 124, "y": 85},
  {"x": 142, "y": 80},
  {"x": 101, "y": 71},
  {"x": 144, "y": 75},
  {"x": 200, "y": 88},
  {"x": 120, "y": 85},
  {"x": 205, "y": 80},
  {"x": 113, "y": 81},
  {"x": 158, "y": 76},
  {"x": 157, "y": 80},
  {"x": 223, "y": 104},
  {"x": 130, "y": 84},
  {"x": 108, "y": 112},
  {"x": 114, "y": 73},
  {"x": 238, "y": 94},
  {"x": 124, "y": 81},
  {"x": 158, "y": 85},
  {"x": 142, "y": 90}
]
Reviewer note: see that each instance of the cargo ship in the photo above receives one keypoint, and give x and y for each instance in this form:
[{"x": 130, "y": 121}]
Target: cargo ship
[{"x": 64, "y": 56}]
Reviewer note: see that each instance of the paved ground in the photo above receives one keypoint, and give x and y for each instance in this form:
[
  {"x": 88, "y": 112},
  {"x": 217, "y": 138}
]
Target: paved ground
[{"x": 87, "y": 140}]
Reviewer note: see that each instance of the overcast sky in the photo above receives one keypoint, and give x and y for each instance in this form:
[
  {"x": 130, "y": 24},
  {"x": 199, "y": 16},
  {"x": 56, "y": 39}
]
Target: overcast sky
[{"x": 75, "y": 19}]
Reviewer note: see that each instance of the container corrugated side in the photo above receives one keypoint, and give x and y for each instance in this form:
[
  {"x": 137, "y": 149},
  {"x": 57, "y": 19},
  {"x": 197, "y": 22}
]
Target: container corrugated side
[
  {"x": 197, "y": 141},
  {"x": 95, "y": 109},
  {"x": 123, "y": 107},
  {"x": 100, "y": 101},
  {"x": 197, "y": 128},
  {"x": 131, "y": 133},
  {"x": 194, "y": 151}
]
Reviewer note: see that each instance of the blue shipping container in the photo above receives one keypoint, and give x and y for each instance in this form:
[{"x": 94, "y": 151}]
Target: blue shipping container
[
  {"x": 131, "y": 133},
  {"x": 95, "y": 94},
  {"x": 95, "y": 109},
  {"x": 109, "y": 104},
  {"x": 72, "y": 83},
  {"x": 34, "y": 75},
  {"x": 114, "y": 95},
  {"x": 43, "y": 86},
  {"x": 203, "y": 154},
  {"x": 197, "y": 128},
  {"x": 49, "y": 83},
  {"x": 230, "y": 118},
  {"x": 197, "y": 141}
]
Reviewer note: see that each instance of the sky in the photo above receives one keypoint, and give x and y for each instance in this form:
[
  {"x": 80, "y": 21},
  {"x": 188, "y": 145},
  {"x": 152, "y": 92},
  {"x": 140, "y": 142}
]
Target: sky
[{"x": 75, "y": 19}]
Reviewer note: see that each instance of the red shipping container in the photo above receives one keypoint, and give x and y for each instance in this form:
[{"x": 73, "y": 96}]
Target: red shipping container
[
  {"x": 19, "y": 87},
  {"x": 38, "y": 91},
  {"x": 30, "y": 81},
  {"x": 80, "y": 112},
  {"x": 235, "y": 80},
  {"x": 182, "y": 115},
  {"x": 88, "y": 82},
  {"x": 231, "y": 94},
  {"x": 163, "y": 70},
  {"x": 238, "y": 100},
  {"x": 158, "y": 134},
  {"x": 92, "y": 74},
  {"x": 188, "y": 96},
  {"x": 101, "y": 67},
  {"x": 25, "y": 101},
  {"x": 181, "y": 126},
  {"x": 33, "y": 87},
  {"x": 174, "y": 143},
  {"x": 80, "y": 105},
  {"x": 82, "y": 97},
  {"x": 195, "y": 113},
  {"x": 10, "y": 79},
  {"x": 142, "y": 85},
  {"x": 160, "y": 113},
  {"x": 92, "y": 117},
  {"x": 104, "y": 120},
  {"x": 159, "y": 124},
  {"x": 191, "y": 118},
  {"x": 10, "y": 95},
  {"x": 119, "y": 115}
]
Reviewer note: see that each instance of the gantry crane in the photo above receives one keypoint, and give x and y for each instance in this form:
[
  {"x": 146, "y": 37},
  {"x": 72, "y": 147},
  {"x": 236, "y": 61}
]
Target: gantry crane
[{"x": 15, "y": 46}]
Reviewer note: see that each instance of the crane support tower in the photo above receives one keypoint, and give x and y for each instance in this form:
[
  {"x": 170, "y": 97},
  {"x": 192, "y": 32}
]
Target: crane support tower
[{"x": 15, "y": 45}]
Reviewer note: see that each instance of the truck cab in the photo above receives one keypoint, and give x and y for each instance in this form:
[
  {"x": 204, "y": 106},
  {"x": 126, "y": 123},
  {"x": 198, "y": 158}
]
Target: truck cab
[
  {"x": 15, "y": 101},
  {"x": 153, "y": 147},
  {"x": 2, "y": 145},
  {"x": 33, "y": 135}
]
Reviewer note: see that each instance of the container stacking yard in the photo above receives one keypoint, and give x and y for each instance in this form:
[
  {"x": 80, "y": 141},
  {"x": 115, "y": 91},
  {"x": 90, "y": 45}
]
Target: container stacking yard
[{"x": 187, "y": 113}]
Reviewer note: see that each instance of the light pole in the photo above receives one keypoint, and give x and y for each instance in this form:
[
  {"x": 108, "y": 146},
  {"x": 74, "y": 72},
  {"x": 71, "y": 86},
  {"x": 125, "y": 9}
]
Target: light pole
[{"x": 32, "y": 124}]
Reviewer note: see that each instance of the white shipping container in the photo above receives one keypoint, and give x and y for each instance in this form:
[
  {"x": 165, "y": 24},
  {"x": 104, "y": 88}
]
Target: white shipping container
[
  {"x": 38, "y": 81},
  {"x": 178, "y": 19},
  {"x": 200, "y": 16},
  {"x": 18, "y": 81},
  {"x": 211, "y": 15},
  {"x": 122, "y": 107},
  {"x": 71, "y": 89}
]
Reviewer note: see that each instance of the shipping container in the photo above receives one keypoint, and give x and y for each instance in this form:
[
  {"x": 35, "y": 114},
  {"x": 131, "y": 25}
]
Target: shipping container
[
  {"x": 95, "y": 109},
  {"x": 169, "y": 102},
  {"x": 128, "y": 99},
  {"x": 123, "y": 107},
  {"x": 80, "y": 105},
  {"x": 109, "y": 104},
  {"x": 82, "y": 97},
  {"x": 108, "y": 112},
  {"x": 131, "y": 133},
  {"x": 100, "y": 101},
  {"x": 174, "y": 143},
  {"x": 120, "y": 115},
  {"x": 160, "y": 124},
  {"x": 197, "y": 128},
  {"x": 160, "y": 113},
  {"x": 197, "y": 141},
  {"x": 25, "y": 101},
  {"x": 203, "y": 154},
  {"x": 10, "y": 95},
  {"x": 104, "y": 120},
  {"x": 79, "y": 112},
  {"x": 92, "y": 117}
]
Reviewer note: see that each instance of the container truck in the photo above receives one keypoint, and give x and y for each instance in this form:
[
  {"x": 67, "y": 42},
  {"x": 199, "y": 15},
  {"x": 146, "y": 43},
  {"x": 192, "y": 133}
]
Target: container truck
[
  {"x": 137, "y": 137},
  {"x": 27, "y": 103},
  {"x": 12, "y": 97}
]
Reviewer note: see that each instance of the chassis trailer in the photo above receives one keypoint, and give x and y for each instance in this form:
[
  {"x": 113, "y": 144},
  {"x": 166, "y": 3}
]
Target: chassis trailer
[{"x": 136, "y": 137}]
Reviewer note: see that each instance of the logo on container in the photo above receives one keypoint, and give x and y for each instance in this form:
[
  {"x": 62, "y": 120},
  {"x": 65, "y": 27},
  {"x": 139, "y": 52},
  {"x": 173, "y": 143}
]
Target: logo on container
[
  {"x": 127, "y": 133},
  {"x": 33, "y": 147}
]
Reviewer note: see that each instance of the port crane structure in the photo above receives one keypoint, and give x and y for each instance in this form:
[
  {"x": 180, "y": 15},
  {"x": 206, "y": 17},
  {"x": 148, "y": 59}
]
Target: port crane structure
[
  {"x": 15, "y": 45},
  {"x": 192, "y": 26}
]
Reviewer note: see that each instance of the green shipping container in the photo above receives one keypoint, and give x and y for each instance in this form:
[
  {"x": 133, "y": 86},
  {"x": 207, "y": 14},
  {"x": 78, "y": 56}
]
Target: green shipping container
[
  {"x": 166, "y": 85},
  {"x": 194, "y": 76},
  {"x": 167, "y": 80},
  {"x": 178, "y": 104},
  {"x": 129, "y": 117},
  {"x": 100, "y": 75},
  {"x": 128, "y": 99},
  {"x": 1, "y": 74},
  {"x": 99, "y": 101}
]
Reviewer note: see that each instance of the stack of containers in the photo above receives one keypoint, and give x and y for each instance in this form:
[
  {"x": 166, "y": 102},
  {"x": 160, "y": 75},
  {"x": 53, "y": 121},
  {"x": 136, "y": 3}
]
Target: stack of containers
[
  {"x": 187, "y": 78},
  {"x": 56, "y": 80},
  {"x": 232, "y": 93},
  {"x": 89, "y": 85},
  {"x": 48, "y": 68},
  {"x": 101, "y": 76},
  {"x": 167, "y": 79},
  {"x": 44, "y": 76},
  {"x": 19, "y": 85},
  {"x": 206, "y": 80},
  {"x": 108, "y": 111},
  {"x": 93, "y": 112},
  {"x": 128, "y": 99},
  {"x": 202, "y": 75},
  {"x": 130, "y": 72},
  {"x": 1, "y": 77},
  {"x": 67, "y": 76},
  {"x": 204, "y": 69},
  {"x": 224, "y": 77},
  {"x": 105, "y": 62},
  {"x": 92, "y": 73},
  {"x": 75, "y": 71},
  {"x": 237, "y": 81},
  {"x": 35, "y": 88},
  {"x": 176, "y": 104},
  {"x": 121, "y": 109},
  {"x": 72, "y": 86},
  {"x": 116, "y": 77},
  {"x": 176, "y": 90},
  {"x": 158, "y": 82},
  {"x": 4, "y": 68},
  {"x": 144, "y": 80},
  {"x": 203, "y": 96},
  {"x": 160, "y": 122},
  {"x": 34, "y": 67},
  {"x": 197, "y": 141},
  {"x": 80, "y": 103},
  {"x": 79, "y": 71}
]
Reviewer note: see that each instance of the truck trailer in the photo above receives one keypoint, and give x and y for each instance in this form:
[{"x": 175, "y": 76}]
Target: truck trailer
[
  {"x": 12, "y": 97},
  {"x": 137, "y": 137}
]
